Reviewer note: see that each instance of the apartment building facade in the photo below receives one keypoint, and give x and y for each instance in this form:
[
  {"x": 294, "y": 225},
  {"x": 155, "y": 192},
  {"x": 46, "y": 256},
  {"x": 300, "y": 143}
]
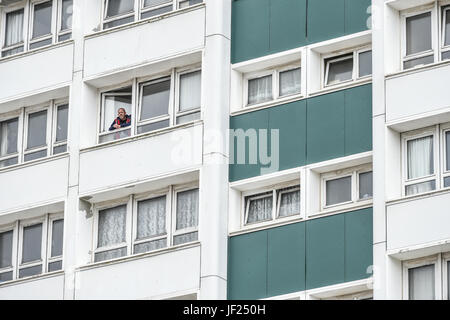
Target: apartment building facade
[{"x": 274, "y": 149}]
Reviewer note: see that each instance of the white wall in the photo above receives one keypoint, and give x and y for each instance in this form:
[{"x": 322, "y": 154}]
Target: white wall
[{"x": 48, "y": 288}]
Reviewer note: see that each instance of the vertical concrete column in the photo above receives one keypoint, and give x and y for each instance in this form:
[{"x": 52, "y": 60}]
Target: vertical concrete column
[
  {"x": 379, "y": 171},
  {"x": 213, "y": 221}
]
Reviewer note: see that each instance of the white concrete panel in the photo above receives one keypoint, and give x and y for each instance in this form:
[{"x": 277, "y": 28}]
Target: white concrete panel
[
  {"x": 48, "y": 288},
  {"x": 33, "y": 185},
  {"x": 141, "y": 278},
  {"x": 142, "y": 43},
  {"x": 32, "y": 73},
  {"x": 416, "y": 93},
  {"x": 140, "y": 159},
  {"x": 418, "y": 221}
]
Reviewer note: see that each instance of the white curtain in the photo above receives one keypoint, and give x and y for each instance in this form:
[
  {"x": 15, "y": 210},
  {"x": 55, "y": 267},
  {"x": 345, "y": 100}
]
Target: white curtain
[
  {"x": 420, "y": 187},
  {"x": 420, "y": 157},
  {"x": 150, "y": 246},
  {"x": 290, "y": 82},
  {"x": 187, "y": 209},
  {"x": 151, "y": 219},
  {"x": 421, "y": 283},
  {"x": 112, "y": 105},
  {"x": 259, "y": 90},
  {"x": 190, "y": 91},
  {"x": 14, "y": 28},
  {"x": 112, "y": 226},
  {"x": 289, "y": 203},
  {"x": 260, "y": 209}
]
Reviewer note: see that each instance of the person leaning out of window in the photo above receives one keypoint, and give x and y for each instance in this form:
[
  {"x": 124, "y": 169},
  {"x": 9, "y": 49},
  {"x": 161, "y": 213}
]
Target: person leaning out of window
[{"x": 123, "y": 120}]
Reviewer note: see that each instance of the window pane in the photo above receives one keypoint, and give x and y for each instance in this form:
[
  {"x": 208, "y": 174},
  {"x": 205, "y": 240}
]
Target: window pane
[
  {"x": 155, "y": 100},
  {"x": 60, "y": 149},
  {"x": 421, "y": 283},
  {"x": 112, "y": 226},
  {"x": 64, "y": 37},
  {"x": 187, "y": 3},
  {"x": 365, "y": 63},
  {"x": 150, "y": 246},
  {"x": 36, "y": 155},
  {"x": 187, "y": 209},
  {"x": 446, "y": 182},
  {"x": 339, "y": 71},
  {"x": 365, "y": 185},
  {"x": 290, "y": 82},
  {"x": 156, "y": 12},
  {"x": 446, "y": 55},
  {"x": 420, "y": 187},
  {"x": 118, "y": 22},
  {"x": 420, "y": 157},
  {"x": 151, "y": 218},
  {"x": 188, "y": 118},
  {"x": 31, "y": 271},
  {"x": 153, "y": 126},
  {"x": 289, "y": 202},
  {"x": 57, "y": 238},
  {"x": 111, "y": 254},
  {"x": 259, "y": 209},
  {"x": 117, "y": 7},
  {"x": 153, "y": 3},
  {"x": 66, "y": 14},
  {"x": 6, "y": 242},
  {"x": 12, "y": 51},
  {"x": 14, "y": 28},
  {"x": 9, "y": 162},
  {"x": 185, "y": 238},
  {"x": 112, "y": 105},
  {"x": 190, "y": 91},
  {"x": 42, "y": 19},
  {"x": 6, "y": 276},
  {"x": 418, "y": 33},
  {"x": 448, "y": 280},
  {"x": 32, "y": 241},
  {"x": 54, "y": 266},
  {"x": 37, "y": 129},
  {"x": 39, "y": 44},
  {"x": 447, "y": 150},
  {"x": 260, "y": 90},
  {"x": 8, "y": 136},
  {"x": 61, "y": 125},
  {"x": 115, "y": 136},
  {"x": 338, "y": 190},
  {"x": 418, "y": 62}
]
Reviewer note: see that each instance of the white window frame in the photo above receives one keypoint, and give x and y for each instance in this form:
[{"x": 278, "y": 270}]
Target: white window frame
[
  {"x": 27, "y": 223},
  {"x": 341, "y": 56},
  {"x": 445, "y": 279},
  {"x": 178, "y": 75},
  {"x": 445, "y": 173},
  {"x": 136, "y": 102},
  {"x": 32, "y": 110},
  {"x": 176, "y": 190},
  {"x": 55, "y": 143},
  {"x": 435, "y": 260},
  {"x": 52, "y": 218},
  {"x": 275, "y": 73},
  {"x": 157, "y": 7},
  {"x": 412, "y": 135},
  {"x": 21, "y": 5},
  {"x": 352, "y": 172},
  {"x": 53, "y": 23},
  {"x": 6, "y": 228},
  {"x": 247, "y": 196},
  {"x": 9, "y": 116},
  {"x": 61, "y": 32}
]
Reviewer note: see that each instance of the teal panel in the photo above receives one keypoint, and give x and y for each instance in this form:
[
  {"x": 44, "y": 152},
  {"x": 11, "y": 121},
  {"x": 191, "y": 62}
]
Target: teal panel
[
  {"x": 326, "y": 19},
  {"x": 286, "y": 259},
  {"x": 358, "y": 244},
  {"x": 253, "y": 121},
  {"x": 250, "y": 29},
  {"x": 325, "y": 251},
  {"x": 287, "y": 24},
  {"x": 358, "y": 119},
  {"x": 357, "y": 15},
  {"x": 247, "y": 266},
  {"x": 290, "y": 120},
  {"x": 326, "y": 127}
]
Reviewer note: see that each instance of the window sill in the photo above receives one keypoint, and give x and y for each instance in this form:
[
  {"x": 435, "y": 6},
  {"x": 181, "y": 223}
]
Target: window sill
[
  {"x": 34, "y": 162},
  {"x": 417, "y": 196},
  {"x": 268, "y": 104},
  {"x": 32, "y": 278},
  {"x": 142, "y": 136},
  {"x": 342, "y": 86},
  {"x": 419, "y": 69},
  {"x": 144, "y": 21},
  {"x": 35, "y": 51},
  {"x": 336, "y": 209},
  {"x": 139, "y": 256}
]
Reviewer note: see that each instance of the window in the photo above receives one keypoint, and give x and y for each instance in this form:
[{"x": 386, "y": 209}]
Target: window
[
  {"x": 445, "y": 46},
  {"x": 44, "y": 133},
  {"x": 273, "y": 84},
  {"x": 272, "y": 204},
  {"x": 36, "y": 245},
  {"x": 144, "y": 223},
  {"x": 35, "y": 24},
  {"x": 119, "y": 12},
  {"x": 349, "y": 66},
  {"x": 158, "y": 103},
  {"x": 346, "y": 186}
]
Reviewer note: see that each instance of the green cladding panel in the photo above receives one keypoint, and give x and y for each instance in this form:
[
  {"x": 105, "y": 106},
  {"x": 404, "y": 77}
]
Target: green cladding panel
[
  {"x": 304, "y": 255},
  {"x": 326, "y": 19},
  {"x": 286, "y": 259},
  {"x": 357, "y": 15},
  {"x": 250, "y": 31},
  {"x": 287, "y": 24},
  {"x": 326, "y": 127},
  {"x": 248, "y": 260},
  {"x": 325, "y": 247}
]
